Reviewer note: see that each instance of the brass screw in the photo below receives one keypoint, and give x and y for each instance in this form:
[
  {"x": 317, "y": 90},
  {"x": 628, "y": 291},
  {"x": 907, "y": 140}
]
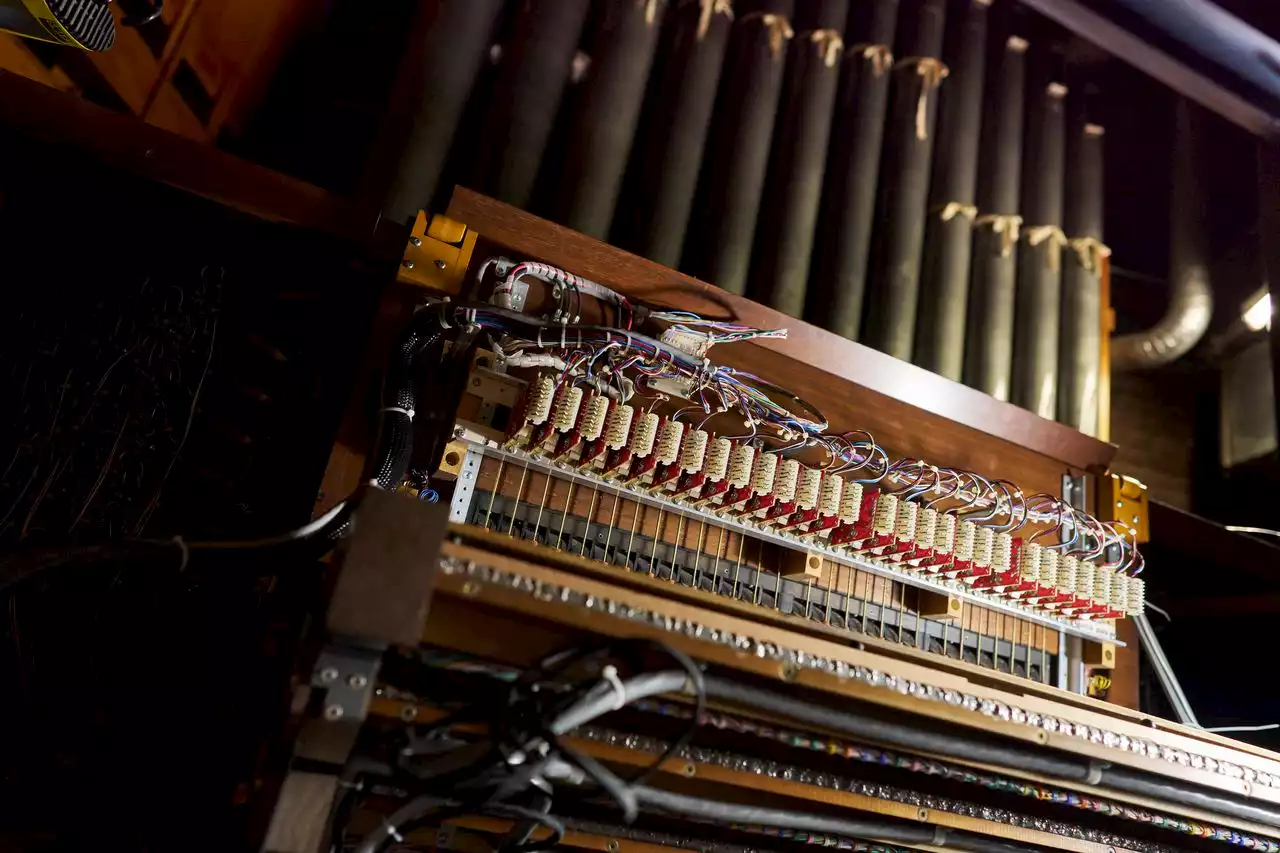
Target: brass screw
[
  {"x": 415, "y": 241},
  {"x": 408, "y": 265},
  {"x": 409, "y": 713},
  {"x": 470, "y": 588},
  {"x": 689, "y": 770},
  {"x": 612, "y": 845},
  {"x": 788, "y": 671},
  {"x": 441, "y": 265},
  {"x": 923, "y": 814}
]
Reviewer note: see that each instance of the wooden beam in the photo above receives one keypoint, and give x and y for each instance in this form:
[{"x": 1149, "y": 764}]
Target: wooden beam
[{"x": 130, "y": 144}]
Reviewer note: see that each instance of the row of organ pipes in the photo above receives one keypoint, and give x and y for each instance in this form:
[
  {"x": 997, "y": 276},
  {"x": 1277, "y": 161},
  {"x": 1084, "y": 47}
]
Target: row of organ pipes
[{"x": 912, "y": 174}]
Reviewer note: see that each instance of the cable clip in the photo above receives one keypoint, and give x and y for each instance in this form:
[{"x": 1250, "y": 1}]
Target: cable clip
[
  {"x": 610, "y": 674},
  {"x": 1095, "y": 772},
  {"x": 408, "y": 413}
]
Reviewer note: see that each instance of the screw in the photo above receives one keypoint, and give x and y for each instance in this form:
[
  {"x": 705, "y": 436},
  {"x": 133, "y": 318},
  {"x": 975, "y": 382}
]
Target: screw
[
  {"x": 788, "y": 671},
  {"x": 328, "y": 674},
  {"x": 612, "y": 845},
  {"x": 1135, "y": 519},
  {"x": 415, "y": 241},
  {"x": 1119, "y": 504},
  {"x": 689, "y": 770},
  {"x": 470, "y": 588},
  {"x": 923, "y": 814},
  {"x": 333, "y": 712},
  {"x": 357, "y": 682},
  {"x": 441, "y": 265},
  {"x": 408, "y": 713},
  {"x": 408, "y": 265}
]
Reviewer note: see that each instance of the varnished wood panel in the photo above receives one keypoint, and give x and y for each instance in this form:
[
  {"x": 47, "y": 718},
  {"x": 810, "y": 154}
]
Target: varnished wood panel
[{"x": 898, "y": 401}]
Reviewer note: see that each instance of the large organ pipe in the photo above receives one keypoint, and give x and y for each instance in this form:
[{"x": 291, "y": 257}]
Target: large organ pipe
[
  {"x": 734, "y": 172},
  {"x": 793, "y": 187},
  {"x": 1079, "y": 362},
  {"x": 843, "y": 242},
  {"x": 1037, "y": 311},
  {"x": 452, "y": 56},
  {"x": 944, "y": 285},
  {"x": 989, "y": 345},
  {"x": 531, "y": 82},
  {"x": 673, "y": 130},
  {"x": 605, "y": 122},
  {"x": 904, "y": 187}
]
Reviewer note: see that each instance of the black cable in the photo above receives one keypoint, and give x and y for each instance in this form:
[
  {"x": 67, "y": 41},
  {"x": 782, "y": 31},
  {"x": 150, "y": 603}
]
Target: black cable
[
  {"x": 905, "y": 833},
  {"x": 952, "y": 744},
  {"x": 972, "y": 748}
]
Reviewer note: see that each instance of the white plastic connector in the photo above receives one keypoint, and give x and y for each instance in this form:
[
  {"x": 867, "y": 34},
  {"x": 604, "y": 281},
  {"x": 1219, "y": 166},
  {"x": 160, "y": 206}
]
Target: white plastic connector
[
  {"x": 784, "y": 481},
  {"x": 541, "y": 395},
  {"x": 762, "y": 475},
  {"x": 831, "y": 492},
  {"x": 1084, "y": 579},
  {"x": 966, "y": 540},
  {"x": 642, "y": 437},
  {"x": 1050, "y": 569},
  {"x": 851, "y": 503},
  {"x": 568, "y": 405},
  {"x": 1068, "y": 571},
  {"x": 1102, "y": 580},
  {"x": 885, "y": 518},
  {"x": 741, "y": 461},
  {"x": 618, "y": 426},
  {"x": 593, "y": 417},
  {"x": 718, "y": 459},
  {"x": 926, "y": 527},
  {"x": 694, "y": 451},
  {"x": 944, "y": 537},
  {"x": 1032, "y": 561},
  {"x": 1137, "y": 596},
  {"x": 808, "y": 487},
  {"x": 669, "y": 439}
]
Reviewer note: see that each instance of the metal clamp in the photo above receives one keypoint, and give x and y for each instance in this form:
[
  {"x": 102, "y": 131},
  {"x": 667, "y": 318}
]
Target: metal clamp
[{"x": 347, "y": 674}]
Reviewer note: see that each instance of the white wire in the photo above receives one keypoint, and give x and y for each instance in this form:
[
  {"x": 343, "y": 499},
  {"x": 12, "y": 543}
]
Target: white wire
[
  {"x": 1242, "y": 529},
  {"x": 1159, "y": 610},
  {"x": 1265, "y": 727}
]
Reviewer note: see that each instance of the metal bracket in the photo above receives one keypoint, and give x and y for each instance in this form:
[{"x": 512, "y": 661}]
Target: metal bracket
[
  {"x": 465, "y": 486},
  {"x": 347, "y": 675},
  {"x": 438, "y": 254}
]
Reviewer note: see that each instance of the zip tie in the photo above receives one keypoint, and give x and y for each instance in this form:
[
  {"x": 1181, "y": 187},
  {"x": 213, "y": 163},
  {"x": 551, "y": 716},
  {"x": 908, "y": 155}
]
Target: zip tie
[
  {"x": 709, "y": 9},
  {"x": 952, "y": 209},
  {"x": 778, "y": 26},
  {"x": 610, "y": 675},
  {"x": 931, "y": 72},
  {"x": 880, "y": 56},
  {"x": 1056, "y": 240},
  {"x": 1091, "y": 251},
  {"x": 408, "y": 413},
  {"x": 186, "y": 552},
  {"x": 1095, "y": 772},
  {"x": 395, "y": 833},
  {"x": 830, "y": 45},
  {"x": 1006, "y": 225}
]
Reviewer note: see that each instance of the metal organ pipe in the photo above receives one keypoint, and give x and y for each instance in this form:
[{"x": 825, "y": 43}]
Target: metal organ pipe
[
  {"x": 1037, "y": 308},
  {"x": 531, "y": 81},
  {"x": 944, "y": 285},
  {"x": 1080, "y": 351},
  {"x": 674, "y": 129},
  {"x": 742, "y": 131},
  {"x": 605, "y": 123},
  {"x": 793, "y": 187},
  {"x": 843, "y": 242},
  {"x": 904, "y": 190},
  {"x": 989, "y": 346},
  {"x": 455, "y": 50},
  {"x": 1190, "y": 299}
]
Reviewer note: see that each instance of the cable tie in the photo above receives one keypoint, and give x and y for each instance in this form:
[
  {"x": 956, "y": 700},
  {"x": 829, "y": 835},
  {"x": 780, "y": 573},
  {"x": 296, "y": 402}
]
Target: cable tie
[
  {"x": 408, "y": 413},
  {"x": 610, "y": 674},
  {"x": 1095, "y": 772},
  {"x": 395, "y": 833},
  {"x": 186, "y": 552}
]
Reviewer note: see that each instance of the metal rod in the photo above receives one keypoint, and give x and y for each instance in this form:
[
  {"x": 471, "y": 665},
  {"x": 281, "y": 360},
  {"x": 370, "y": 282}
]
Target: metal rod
[
  {"x": 1155, "y": 654},
  {"x": 733, "y": 183},
  {"x": 605, "y": 121},
  {"x": 944, "y": 284},
  {"x": 904, "y": 188},
  {"x": 1037, "y": 312},
  {"x": 989, "y": 349},
  {"x": 531, "y": 82},
  {"x": 843, "y": 242},
  {"x": 453, "y": 54},
  {"x": 673, "y": 132},
  {"x": 797, "y": 161},
  {"x": 1081, "y": 346}
]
